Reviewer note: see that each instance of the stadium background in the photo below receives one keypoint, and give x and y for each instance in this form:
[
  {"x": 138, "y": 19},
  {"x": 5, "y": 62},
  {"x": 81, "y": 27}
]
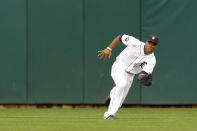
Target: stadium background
[{"x": 48, "y": 50}]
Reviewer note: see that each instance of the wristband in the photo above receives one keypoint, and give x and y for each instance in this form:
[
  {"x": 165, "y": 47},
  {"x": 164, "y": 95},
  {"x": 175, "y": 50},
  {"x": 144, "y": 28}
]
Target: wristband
[{"x": 109, "y": 48}]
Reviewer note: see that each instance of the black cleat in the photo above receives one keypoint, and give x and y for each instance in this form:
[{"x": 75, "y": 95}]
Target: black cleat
[
  {"x": 111, "y": 117},
  {"x": 107, "y": 100}
]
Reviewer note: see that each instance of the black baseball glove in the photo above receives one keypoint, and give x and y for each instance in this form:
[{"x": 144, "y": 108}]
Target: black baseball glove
[{"x": 145, "y": 78}]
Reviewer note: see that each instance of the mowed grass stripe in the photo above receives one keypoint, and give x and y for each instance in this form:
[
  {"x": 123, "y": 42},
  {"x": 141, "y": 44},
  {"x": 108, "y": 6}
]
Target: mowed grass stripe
[{"x": 88, "y": 119}]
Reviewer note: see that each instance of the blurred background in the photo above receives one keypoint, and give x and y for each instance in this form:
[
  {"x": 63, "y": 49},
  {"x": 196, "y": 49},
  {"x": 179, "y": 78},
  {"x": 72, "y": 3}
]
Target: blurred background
[{"x": 48, "y": 50}]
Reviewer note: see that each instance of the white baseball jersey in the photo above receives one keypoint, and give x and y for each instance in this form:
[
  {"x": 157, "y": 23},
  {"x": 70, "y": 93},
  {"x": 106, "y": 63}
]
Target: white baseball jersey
[{"x": 133, "y": 56}]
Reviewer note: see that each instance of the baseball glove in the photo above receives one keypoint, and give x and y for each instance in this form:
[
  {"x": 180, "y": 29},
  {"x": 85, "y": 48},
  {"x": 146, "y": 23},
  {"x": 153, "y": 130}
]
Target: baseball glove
[{"x": 145, "y": 78}]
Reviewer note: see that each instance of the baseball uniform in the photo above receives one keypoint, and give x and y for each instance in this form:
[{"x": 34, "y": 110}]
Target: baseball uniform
[{"x": 129, "y": 62}]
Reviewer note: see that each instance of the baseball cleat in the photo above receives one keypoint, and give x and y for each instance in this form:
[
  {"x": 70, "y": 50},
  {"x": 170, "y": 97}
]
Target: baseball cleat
[{"x": 111, "y": 117}]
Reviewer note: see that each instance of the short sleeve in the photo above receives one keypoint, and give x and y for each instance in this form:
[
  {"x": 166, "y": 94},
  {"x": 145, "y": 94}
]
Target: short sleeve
[
  {"x": 150, "y": 65},
  {"x": 126, "y": 39}
]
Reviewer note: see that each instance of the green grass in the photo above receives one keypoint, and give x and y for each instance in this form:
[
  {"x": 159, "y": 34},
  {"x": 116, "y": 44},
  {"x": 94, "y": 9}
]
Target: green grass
[{"x": 91, "y": 119}]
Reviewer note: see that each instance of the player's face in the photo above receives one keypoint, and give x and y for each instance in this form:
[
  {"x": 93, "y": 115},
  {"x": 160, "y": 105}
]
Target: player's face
[{"x": 149, "y": 47}]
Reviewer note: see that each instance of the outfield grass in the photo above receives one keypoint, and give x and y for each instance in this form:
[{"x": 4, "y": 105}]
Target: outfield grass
[{"x": 91, "y": 119}]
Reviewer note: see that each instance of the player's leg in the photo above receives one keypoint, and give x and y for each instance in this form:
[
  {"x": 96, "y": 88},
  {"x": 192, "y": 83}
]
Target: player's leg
[
  {"x": 130, "y": 81},
  {"x": 126, "y": 90},
  {"x": 118, "y": 93}
]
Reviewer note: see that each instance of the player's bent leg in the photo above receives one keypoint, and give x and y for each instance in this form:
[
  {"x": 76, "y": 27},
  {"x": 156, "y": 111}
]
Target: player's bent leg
[
  {"x": 117, "y": 93},
  {"x": 130, "y": 81},
  {"x": 117, "y": 96}
]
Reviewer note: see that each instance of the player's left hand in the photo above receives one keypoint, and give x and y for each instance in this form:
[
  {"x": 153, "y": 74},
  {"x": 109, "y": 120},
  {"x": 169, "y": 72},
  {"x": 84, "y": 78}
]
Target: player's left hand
[{"x": 104, "y": 53}]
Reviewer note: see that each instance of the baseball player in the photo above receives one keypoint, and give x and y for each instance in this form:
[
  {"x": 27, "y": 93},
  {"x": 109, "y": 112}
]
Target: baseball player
[{"x": 136, "y": 58}]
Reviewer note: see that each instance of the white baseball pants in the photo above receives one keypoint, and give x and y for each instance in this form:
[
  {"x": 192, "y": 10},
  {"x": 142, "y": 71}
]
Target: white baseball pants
[{"x": 123, "y": 82}]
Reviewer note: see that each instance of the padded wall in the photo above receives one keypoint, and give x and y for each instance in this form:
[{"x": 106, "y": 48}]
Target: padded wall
[
  {"x": 175, "y": 75},
  {"x": 13, "y": 51},
  {"x": 55, "y": 61}
]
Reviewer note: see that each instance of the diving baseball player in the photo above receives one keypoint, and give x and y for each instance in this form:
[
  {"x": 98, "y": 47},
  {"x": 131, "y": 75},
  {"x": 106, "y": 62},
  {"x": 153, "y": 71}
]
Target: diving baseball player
[{"x": 136, "y": 58}]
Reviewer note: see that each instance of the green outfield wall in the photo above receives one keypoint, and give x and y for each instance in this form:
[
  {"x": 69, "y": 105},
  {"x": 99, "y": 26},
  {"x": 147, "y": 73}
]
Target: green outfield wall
[
  {"x": 175, "y": 76},
  {"x": 49, "y": 50},
  {"x": 13, "y": 51},
  {"x": 55, "y": 51}
]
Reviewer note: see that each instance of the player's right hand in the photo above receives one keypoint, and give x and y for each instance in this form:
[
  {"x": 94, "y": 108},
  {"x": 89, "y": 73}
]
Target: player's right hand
[{"x": 104, "y": 53}]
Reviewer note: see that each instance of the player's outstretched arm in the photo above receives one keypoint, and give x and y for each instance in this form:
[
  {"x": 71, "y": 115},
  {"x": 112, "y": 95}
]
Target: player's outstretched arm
[{"x": 107, "y": 51}]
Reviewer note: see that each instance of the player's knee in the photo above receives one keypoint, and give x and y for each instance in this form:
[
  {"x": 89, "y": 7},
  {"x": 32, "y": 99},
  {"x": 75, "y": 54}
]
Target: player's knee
[
  {"x": 123, "y": 84},
  {"x": 120, "y": 88}
]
